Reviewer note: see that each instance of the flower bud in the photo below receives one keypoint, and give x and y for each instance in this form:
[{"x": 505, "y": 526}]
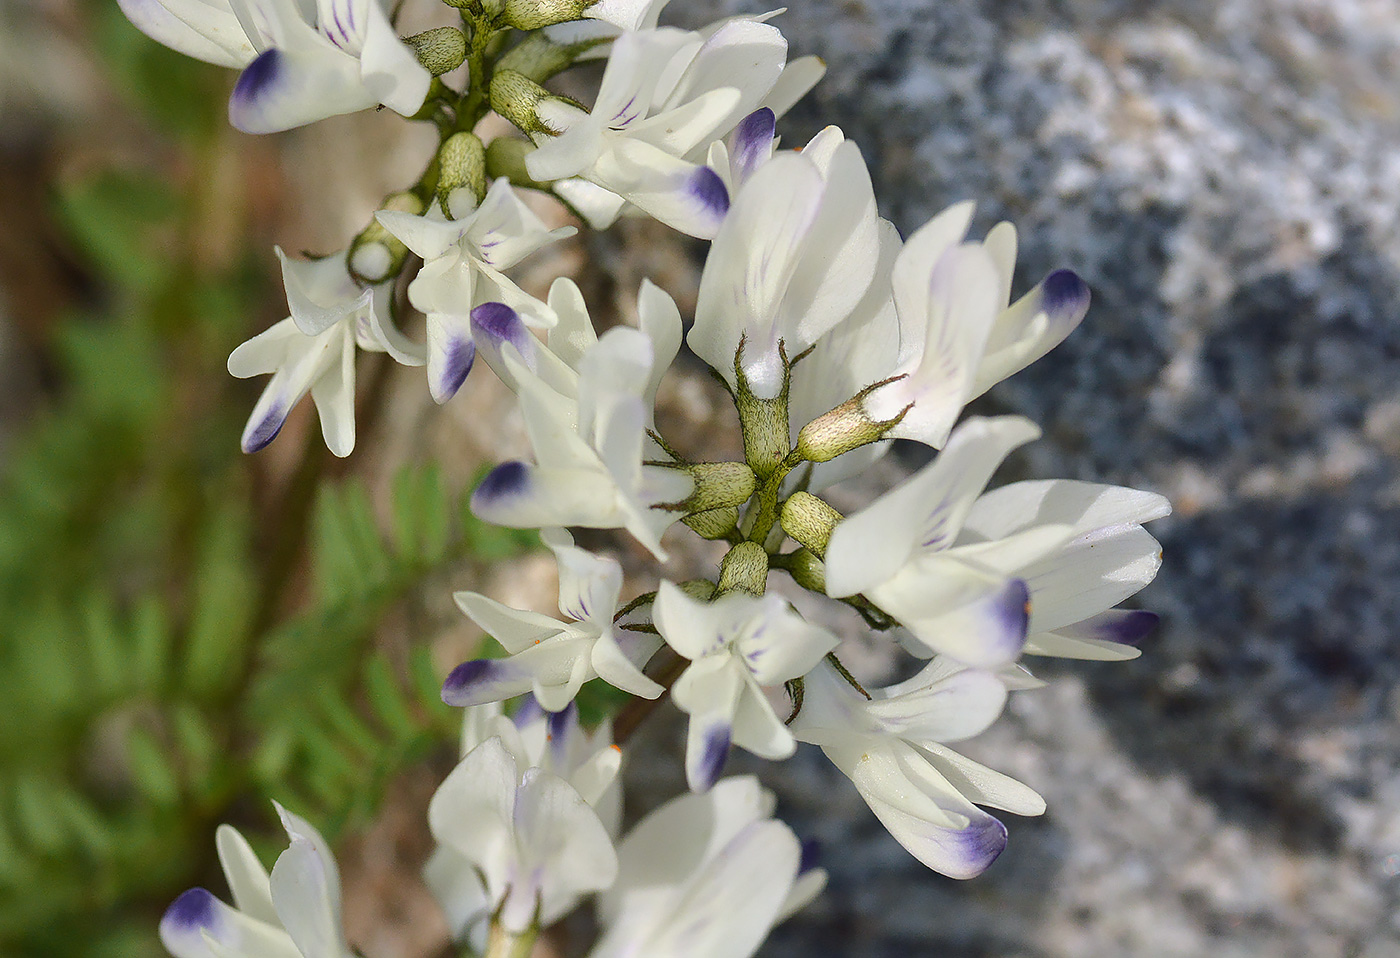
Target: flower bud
[
  {"x": 461, "y": 174},
  {"x": 515, "y": 97},
  {"x": 744, "y": 569},
  {"x": 376, "y": 254},
  {"x": 848, "y": 426},
  {"x": 809, "y": 520},
  {"x": 505, "y": 156},
  {"x": 807, "y": 570},
  {"x": 713, "y": 523},
  {"x": 764, "y": 422},
  {"x": 539, "y": 58},
  {"x": 717, "y": 484},
  {"x": 533, "y": 14},
  {"x": 440, "y": 50}
]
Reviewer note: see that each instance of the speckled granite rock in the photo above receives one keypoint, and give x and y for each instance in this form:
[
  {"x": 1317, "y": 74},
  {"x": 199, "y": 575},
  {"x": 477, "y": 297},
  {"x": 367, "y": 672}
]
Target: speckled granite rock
[{"x": 1226, "y": 176}]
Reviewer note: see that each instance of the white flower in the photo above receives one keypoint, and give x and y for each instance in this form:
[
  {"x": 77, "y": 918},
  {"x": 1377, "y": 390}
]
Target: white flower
[
  {"x": 587, "y": 426},
  {"x": 736, "y": 644},
  {"x": 959, "y": 335},
  {"x": 704, "y": 876},
  {"x": 463, "y": 263},
  {"x": 551, "y": 741},
  {"x": 313, "y": 350},
  {"x": 795, "y": 255},
  {"x": 892, "y": 747},
  {"x": 1107, "y": 557},
  {"x": 666, "y": 94},
  {"x": 550, "y": 658},
  {"x": 963, "y": 599},
  {"x": 301, "y": 61},
  {"x": 533, "y": 840},
  {"x": 294, "y": 913}
]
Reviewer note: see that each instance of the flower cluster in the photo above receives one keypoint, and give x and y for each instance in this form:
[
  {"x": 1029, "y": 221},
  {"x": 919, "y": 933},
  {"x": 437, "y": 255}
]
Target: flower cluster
[{"x": 833, "y": 336}]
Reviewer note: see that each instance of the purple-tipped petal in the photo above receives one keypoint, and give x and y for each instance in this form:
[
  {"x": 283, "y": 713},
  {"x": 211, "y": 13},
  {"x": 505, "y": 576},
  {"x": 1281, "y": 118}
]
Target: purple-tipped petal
[
  {"x": 559, "y": 727},
  {"x": 253, "y": 83},
  {"x": 506, "y": 481},
  {"x": 1011, "y": 609},
  {"x": 496, "y": 324},
  {"x": 527, "y": 711},
  {"x": 972, "y": 850},
  {"x": 457, "y": 359},
  {"x": 258, "y": 434},
  {"x": 706, "y": 191},
  {"x": 185, "y": 922},
  {"x": 751, "y": 144},
  {"x": 483, "y": 680},
  {"x": 1065, "y": 298},
  {"x": 704, "y": 771},
  {"x": 811, "y": 856},
  {"x": 1123, "y": 626},
  {"x": 986, "y": 632}
]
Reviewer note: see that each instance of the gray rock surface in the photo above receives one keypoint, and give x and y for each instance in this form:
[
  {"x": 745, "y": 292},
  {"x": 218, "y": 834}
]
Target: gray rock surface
[{"x": 1226, "y": 177}]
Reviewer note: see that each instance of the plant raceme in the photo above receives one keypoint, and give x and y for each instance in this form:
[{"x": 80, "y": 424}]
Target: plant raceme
[{"x": 832, "y": 334}]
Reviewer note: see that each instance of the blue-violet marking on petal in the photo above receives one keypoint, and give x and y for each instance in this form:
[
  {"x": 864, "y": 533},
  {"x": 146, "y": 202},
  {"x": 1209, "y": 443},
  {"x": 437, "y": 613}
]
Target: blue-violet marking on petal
[
  {"x": 715, "y": 749},
  {"x": 707, "y": 190},
  {"x": 1126, "y": 627},
  {"x": 257, "y": 437},
  {"x": 457, "y": 362},
  {"x": 1065, "y": 296},
  {"x": 193, "y": 910},
  {"x": 256, "y": 78},
  {"x": 506, "y": 481},
  {"x": 497, "y": 323},
  {"x": 752, "y": 143},
  {"x": 463, "y": 677},
  {"x": 978, "y": 845}
]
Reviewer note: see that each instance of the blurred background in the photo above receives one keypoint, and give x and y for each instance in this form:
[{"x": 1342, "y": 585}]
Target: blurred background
[{"x": 186, "y": 632}]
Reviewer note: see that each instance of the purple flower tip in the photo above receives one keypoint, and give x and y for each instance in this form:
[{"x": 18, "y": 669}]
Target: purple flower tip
[
  {"x": 752, "y": 142},
  {"x": 496, "y": 323},
  {"x": 1064, "y": 295},
  {"x": 496, "y": 319},
  {"x": 257, "y": 77},
  {"x": 1131, "y": 627},
  {"x": 193, "y": 910},
  {"x": 463, "y": 677},
  {"x": 527, "y": 711},
  {"x": 457, "y": 361},
  {"x": 558, "y": 723},
  {"x": 707, "y": 189},
  {"x": 811, "y": 855},
  {"x": 713, "y": 751},
  {"x": 265, "y": 431},
  {"x": 507, "y": 480},
  {"x": 1012, "y": 610},
  {"x": 980, "y": 844}
]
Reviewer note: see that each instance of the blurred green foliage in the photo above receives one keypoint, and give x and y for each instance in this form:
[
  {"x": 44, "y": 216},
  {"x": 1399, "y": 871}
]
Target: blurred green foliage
[{"x": 151, "y": 683}]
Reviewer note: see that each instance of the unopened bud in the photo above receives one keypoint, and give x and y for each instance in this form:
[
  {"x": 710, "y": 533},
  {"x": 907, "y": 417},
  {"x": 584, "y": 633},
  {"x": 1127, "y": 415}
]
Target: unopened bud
[
  {"x": 505, "y": 156},
  {"x": 461, "y": 182},
  {"x": 764, "y": 422},
  {"x": 539, "y": 58},
  {"x": 700, "y": 589},
  {"x": 533, "y": 14},
  {"x": 440, "y": 50},
  {"x": 809, "y": 520},
  {"x": 376, "y": 254},
  {"x": 844, "y": 428},
  {"x": 714, "y": 523},
  {"x": 717, "y": 484},
  {"x": 515, "y": 97},
  {"x": 744, "y": 569},
  {"x": 807, "y": 570}
]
